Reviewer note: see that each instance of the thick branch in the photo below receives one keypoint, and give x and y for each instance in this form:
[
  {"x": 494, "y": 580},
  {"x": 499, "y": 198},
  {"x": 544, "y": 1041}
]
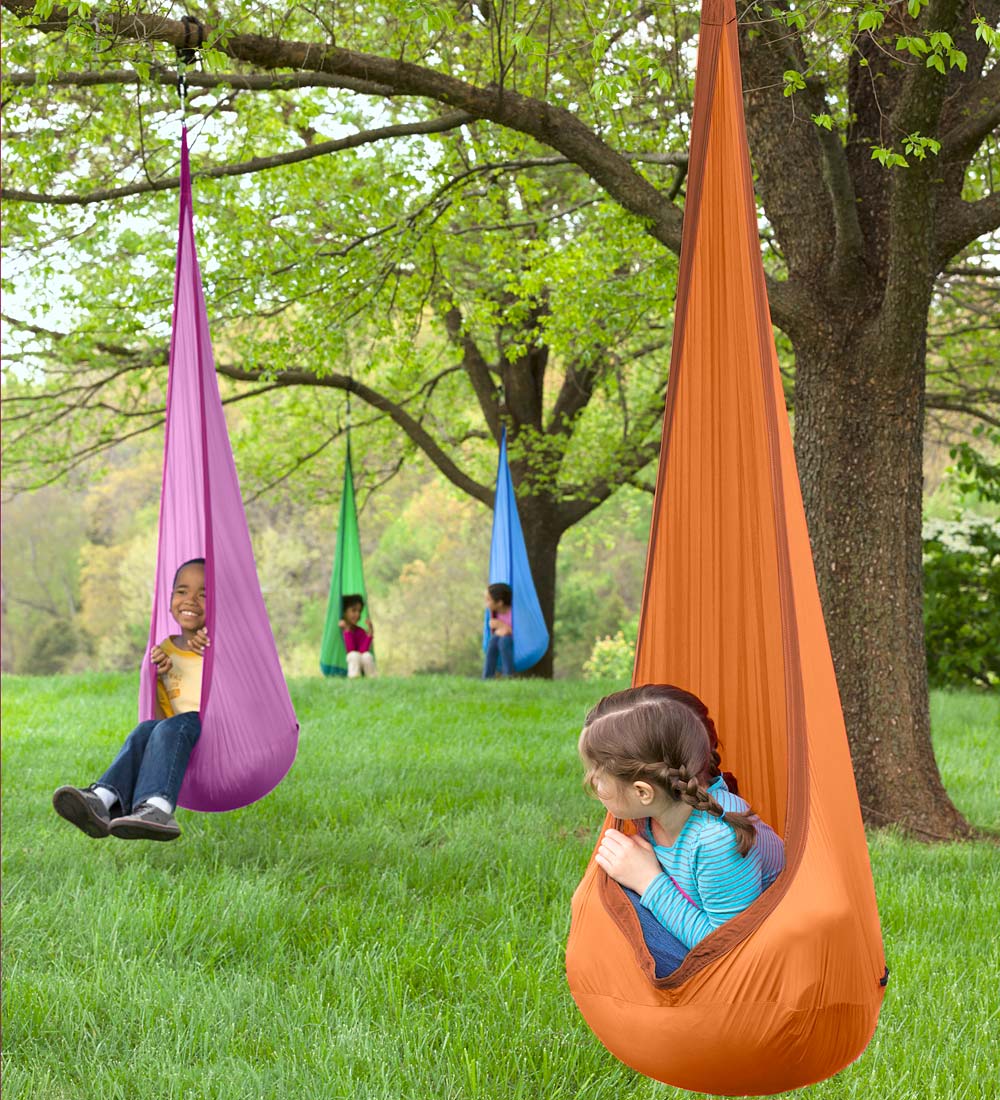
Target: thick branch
[
  {"x": 251, "y": 82},
  {"x": 476, "y": 368},
  {"x": 420, "y": 436},
  {"x": 960, "y": 223},
  {"x": 910, "y": 267},
  {"x": 797, "y": 171},
  {"x": 257, "y": 164}
]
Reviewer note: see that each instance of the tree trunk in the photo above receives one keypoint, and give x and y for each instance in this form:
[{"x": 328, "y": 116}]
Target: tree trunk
[
  {"x": 541, "y": 539},
  {"x": 859, "y": 415}
]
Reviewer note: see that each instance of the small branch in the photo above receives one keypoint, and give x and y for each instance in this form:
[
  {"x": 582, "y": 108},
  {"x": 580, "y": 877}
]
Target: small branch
[{"x": 946, "y": 403}]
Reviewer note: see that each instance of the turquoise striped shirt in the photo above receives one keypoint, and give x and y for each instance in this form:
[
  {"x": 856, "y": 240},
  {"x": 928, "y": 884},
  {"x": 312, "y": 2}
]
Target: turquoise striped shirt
[
  {"x": 772, "y": 848},
  {"x": 703, "y": 863}
]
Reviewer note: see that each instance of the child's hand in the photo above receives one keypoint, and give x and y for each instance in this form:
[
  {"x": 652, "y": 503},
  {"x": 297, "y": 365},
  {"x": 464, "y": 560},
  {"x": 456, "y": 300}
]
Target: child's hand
[
  {"x": 161, "y": 660},
  {"x": 199, "y": 643},
  {"x": 629, "y": 860},
  {"x": 342, "y": 624},
  {"x": 371, "y": 629}
]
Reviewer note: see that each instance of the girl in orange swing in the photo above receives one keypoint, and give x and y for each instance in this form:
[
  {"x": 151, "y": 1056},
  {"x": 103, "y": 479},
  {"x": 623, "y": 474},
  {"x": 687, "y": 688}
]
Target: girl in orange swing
[{"x": 691, "y": 865}]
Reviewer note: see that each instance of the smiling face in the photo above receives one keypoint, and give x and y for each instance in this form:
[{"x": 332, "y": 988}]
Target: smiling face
[
  {"x": 187, "y": 601},
  {"x": 352, "y": 614}
]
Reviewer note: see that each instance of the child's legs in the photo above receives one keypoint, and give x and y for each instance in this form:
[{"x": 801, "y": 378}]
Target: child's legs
[
  {"x": 367, "y": 664},
  {"x": 492, "y": 652},
  {"x": 506, "y": 647},
  {"x": 667, "y": 950},
  {"x": 166, "y": 758},
  {"x": 124, "y": 770},
  {"x": 353, "y": 665}
]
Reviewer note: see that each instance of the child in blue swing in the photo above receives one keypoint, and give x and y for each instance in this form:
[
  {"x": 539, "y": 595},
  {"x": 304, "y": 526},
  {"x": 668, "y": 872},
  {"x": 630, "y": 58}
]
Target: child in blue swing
[
  {"x": 135, "y": 798},
  {"x": 500, "y": 647},
  {"x": 692, "y": 864}
]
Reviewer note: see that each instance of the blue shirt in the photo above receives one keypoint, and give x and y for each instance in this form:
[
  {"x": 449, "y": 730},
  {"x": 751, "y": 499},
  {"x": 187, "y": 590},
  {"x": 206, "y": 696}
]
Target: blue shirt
[
  {"x": 705, "y": 881},
  {"x": 772, "y": 848}
]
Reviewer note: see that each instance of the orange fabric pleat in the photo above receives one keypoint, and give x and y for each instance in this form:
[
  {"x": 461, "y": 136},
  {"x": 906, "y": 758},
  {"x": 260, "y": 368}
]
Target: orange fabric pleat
[{"x": 789, "y": 992}]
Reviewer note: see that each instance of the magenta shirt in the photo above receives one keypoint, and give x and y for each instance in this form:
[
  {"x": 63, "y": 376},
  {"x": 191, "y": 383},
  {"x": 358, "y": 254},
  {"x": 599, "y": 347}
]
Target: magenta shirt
[{"x": 357, "y": 640}]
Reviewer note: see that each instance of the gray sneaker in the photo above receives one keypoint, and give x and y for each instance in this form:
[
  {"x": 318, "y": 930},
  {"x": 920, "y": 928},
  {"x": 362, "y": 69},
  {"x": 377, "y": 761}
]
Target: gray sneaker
[
  {"x": 146, "y": 822},
  {"x": 84, "y": 809}
]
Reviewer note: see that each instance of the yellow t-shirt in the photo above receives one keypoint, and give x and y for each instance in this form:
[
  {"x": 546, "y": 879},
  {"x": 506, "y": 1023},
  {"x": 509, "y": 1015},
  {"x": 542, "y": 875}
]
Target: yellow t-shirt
[{"x": 179, "y": 690}]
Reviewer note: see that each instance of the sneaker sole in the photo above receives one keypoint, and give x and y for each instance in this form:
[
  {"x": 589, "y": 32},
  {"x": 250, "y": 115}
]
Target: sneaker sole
[
  {"x": 70, "y": 805},
  {"x": 141, "y": 831}
]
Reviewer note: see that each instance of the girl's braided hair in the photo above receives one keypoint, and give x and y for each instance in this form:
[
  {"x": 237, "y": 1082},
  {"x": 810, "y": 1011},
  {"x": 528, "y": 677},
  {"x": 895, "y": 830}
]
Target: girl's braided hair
[
  {"x": 693, "y": 703},
  {"x": 652, "y": 733}
]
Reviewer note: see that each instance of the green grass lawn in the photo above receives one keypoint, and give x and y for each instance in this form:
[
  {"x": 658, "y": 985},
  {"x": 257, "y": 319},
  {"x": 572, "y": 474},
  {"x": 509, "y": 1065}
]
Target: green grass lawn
[{"x": 390, "y": 922}]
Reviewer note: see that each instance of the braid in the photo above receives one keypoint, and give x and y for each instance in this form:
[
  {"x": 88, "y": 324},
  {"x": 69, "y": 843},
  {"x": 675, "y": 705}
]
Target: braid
[
  {"x": 685, "y": 788},
  {"x": 664, "y": 735}
]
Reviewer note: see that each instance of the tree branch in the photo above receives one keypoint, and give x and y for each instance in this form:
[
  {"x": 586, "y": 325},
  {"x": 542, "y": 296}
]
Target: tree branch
[
  {"x": 412, "y": 427},
  {"x": 959, "y": 223},
  {"x": 978, "y": 114},
  {"x": 256, "y": 164},
  {"x": 553, "y": 126},
  {"x": 960, "y": 404},
  {"x": 477, "y": 369},
  {"x": 910, "y": 267},
  {"x": 159, "y": 74},
  {"x": 587, "y": 498}
]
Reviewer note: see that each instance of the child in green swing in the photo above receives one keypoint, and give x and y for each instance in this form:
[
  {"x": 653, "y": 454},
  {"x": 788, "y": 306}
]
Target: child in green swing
[
  {"x": 357, "y": 640},
  {"x": 135, "y": 798}
]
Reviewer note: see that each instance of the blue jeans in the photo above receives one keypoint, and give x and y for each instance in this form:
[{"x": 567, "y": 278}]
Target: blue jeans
[
  {"x": 501, "y": 646},
  {"x": 153, "y": 760},
  {"x": 667, "y": 950}
]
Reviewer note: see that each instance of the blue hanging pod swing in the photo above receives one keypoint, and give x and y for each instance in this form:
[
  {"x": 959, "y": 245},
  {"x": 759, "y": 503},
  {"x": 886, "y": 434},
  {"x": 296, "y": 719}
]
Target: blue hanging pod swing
[{"x": 509, "y": 565}]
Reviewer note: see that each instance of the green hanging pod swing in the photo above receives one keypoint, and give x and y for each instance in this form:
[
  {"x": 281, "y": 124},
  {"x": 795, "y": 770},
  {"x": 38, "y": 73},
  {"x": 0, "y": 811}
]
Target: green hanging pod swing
[{"x": 347, "y": 578}]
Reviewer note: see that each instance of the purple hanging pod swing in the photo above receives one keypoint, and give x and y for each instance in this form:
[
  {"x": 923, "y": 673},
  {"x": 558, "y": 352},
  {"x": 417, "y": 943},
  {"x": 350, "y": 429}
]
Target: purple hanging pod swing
[{"x": 249, "y": 731}]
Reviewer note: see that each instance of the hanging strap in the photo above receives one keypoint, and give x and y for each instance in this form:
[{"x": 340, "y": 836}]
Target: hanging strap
[{"x": 187, "y": 55}]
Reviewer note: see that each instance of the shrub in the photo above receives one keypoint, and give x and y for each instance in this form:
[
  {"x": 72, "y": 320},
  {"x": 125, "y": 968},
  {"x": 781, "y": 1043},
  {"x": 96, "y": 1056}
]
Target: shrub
[
  {"x": 612, "y": 657},
  {"x": 962, "y": 602}
]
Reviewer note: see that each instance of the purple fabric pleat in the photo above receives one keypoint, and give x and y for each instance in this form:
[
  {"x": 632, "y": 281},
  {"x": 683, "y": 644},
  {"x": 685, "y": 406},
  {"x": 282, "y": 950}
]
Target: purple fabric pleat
[{"x": 249, "y": 731}]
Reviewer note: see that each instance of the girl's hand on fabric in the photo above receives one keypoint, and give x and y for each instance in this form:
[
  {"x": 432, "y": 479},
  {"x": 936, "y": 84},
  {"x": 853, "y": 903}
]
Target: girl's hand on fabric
[
  {"x": 200, "y": 642},
  {"x": 161, "y": 660},
  {"x": 371, "y": 629},
  {"x": 342, "y": 624},
  {"x": 629, "y": 860}
]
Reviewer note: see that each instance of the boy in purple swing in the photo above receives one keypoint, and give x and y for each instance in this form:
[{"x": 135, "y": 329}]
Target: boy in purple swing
[{"x": 135, "y": 798}]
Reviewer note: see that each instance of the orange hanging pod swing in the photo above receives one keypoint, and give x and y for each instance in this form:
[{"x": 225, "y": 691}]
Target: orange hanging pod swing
[{"x": 789, "y": 992}]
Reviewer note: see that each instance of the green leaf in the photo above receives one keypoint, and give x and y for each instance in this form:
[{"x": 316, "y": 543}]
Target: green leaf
[
  {"x": 936, "y": 61},
  {"x": 794, "y": 81},
  {"x": 823, "y": 120}
]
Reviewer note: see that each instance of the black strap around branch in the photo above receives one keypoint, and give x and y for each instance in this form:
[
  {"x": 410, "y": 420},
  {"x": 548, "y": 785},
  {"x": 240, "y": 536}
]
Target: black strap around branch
[{"x": 188, "y": 54}]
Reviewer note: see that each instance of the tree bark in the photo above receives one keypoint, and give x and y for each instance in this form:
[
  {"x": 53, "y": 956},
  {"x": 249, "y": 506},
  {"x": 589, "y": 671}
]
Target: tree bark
[
  {"x": 861, "y": 478},
  {"x": 541, "y": 540}
]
